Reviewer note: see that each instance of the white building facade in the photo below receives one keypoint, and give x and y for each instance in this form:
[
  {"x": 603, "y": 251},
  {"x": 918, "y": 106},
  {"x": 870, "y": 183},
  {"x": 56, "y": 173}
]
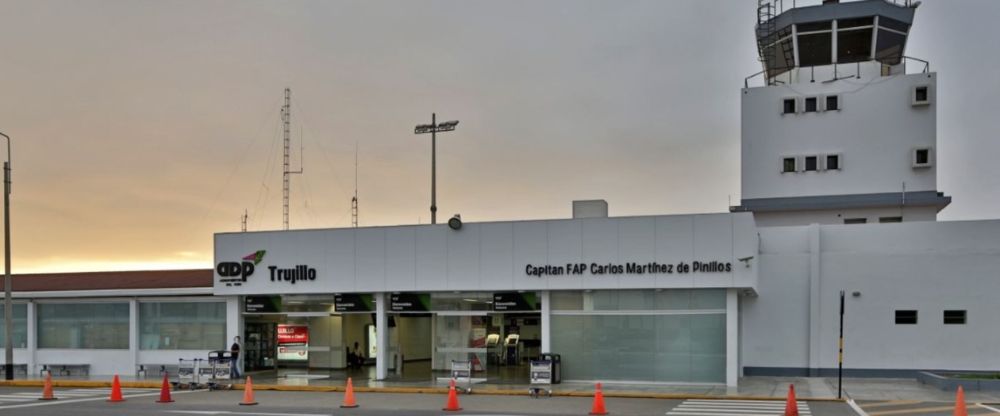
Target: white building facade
[{"x": 839, "y": 194}]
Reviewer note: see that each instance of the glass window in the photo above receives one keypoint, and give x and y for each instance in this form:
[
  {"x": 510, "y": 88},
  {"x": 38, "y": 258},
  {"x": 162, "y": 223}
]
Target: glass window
[
  {"x": 892, "y": 24},
  {"x": 83, "y": 325},
  {"x": 890, "y": 219},
  {"x": 922, "y": 156},
  {"x": 855, "y": 220},
  {"x": 832, "y": 103},
  {"x": 954, "y": 317},
  {"x": 920, "y": 94},
  {"x": 788, "y": 106},
  {"x": 20, "y": 331},
  {"x": 460, "y": 338},
  {"x": 788, "y": 164},
  {"x": 906, "y": 317},
  {"x": 832, "y": 162},
  {"x": 670, "y": 348},
  {"x": 779, "y": 57},
  {"x": 566, "y": 301},
  {"x": 182, "y": 325},
  {"x": 811, "y": 106},
  {"x": 854, "y": 45},
  {"x": 815, "y": 49},
  {"x": 464, "y": 301},
  {"x": 889, "y": 47},
  {"x": 811, "y": 163}
]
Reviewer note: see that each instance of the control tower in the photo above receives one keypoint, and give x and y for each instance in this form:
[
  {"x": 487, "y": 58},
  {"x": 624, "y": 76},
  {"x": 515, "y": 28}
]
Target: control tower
[{"x": 840, "y": 125}]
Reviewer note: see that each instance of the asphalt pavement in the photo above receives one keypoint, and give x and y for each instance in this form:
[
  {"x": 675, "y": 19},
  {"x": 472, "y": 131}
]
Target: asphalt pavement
[{"x": 23, "y": 402}]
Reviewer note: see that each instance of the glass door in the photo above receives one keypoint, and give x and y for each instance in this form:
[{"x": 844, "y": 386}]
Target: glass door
[{"x": 460, "y": 337}]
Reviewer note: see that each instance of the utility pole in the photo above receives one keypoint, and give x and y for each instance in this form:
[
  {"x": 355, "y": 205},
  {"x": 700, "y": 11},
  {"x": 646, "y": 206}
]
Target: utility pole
[
  {"x": 243, "y": 220},
  {"x": 840, "y": 354},
  {"x": 433, "y": 129},
  {"x": 286, "y": 172},
  {"x": 8, "y": 301}
]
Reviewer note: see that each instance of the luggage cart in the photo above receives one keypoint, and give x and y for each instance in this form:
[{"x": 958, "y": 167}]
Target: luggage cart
[
  {"x": 461, "y": 372},
  {"x": 221, "y": 363},
  {"x": 541, "y": 378},
  {"x": 188, "y": 376}
]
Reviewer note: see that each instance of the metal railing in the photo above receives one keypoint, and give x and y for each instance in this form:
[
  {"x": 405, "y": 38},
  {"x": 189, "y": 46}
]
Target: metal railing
[{"x": 853, "y": 70}]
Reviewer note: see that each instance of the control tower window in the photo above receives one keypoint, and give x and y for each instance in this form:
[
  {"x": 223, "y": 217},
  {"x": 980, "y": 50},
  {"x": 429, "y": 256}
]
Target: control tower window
[
  {"x": 788, "y": 165},
  {"x": 811, "y": 163},
  {"x": 889, "y": 47},
  {"x": 815, "y": 49},
  {"x": 854, "y": 45},
  {"x": 832, "y": 103}
]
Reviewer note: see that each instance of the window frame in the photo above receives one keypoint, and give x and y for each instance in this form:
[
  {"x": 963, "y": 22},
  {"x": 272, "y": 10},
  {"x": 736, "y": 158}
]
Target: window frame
[
  {"x": 916, "y": 316},
  {"x": 855, "y": 221},
  {"x": 964, "y": 316},
  {"x": 826, "y": 102},
  {"x": 826, "y": 161},
  {"x": 930, "y": 157},
  {"x": 795, "y": 164},
  {"x": 927, "y": 95},
  {"x": 784, "y": 105}
]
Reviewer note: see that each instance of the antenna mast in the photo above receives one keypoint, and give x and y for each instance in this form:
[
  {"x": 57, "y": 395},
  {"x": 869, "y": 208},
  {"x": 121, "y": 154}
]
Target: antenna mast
[
  {"x": 354, "y": 201},
  {"x": 286, "y": 118},
  {"x": 244, "y": 220}
]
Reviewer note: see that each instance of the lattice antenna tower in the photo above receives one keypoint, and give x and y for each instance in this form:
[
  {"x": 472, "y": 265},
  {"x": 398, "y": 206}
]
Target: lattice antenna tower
[
  {"x": 286, "y": 172},
  {"x": 354, "y": 200}
]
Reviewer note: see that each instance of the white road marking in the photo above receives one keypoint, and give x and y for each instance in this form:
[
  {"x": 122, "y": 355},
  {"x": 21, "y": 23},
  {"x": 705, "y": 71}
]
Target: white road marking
[
  {"x": 226, "y": 412},
  {"x": 88, "y": 399},
  {"x": 705, "y": 407},
  {"x": 988, "y": 407}
]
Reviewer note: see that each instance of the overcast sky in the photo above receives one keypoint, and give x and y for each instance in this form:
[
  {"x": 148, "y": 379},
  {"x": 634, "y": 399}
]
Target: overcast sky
[{"x": 140, "y": 128}]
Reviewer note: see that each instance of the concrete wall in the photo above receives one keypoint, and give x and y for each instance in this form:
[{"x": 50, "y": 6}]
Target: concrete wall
[
  {"x": 926, "y": 266},
  {"x": 494, "y": 256},
  {"x": 874, "y": 131},
  {"x": 831, "y": 216}
]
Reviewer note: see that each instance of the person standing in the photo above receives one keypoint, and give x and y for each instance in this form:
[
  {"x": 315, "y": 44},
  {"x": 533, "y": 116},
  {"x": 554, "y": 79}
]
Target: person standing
[{"x": 235, "y": 350}]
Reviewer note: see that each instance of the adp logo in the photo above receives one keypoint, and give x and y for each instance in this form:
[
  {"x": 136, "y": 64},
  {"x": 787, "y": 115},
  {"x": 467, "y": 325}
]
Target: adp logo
[{"x": 237, "y": 273}]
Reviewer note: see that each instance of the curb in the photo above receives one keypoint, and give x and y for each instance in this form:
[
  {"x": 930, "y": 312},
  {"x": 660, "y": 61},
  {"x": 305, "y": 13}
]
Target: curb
[{"x": 415, "y": 390}]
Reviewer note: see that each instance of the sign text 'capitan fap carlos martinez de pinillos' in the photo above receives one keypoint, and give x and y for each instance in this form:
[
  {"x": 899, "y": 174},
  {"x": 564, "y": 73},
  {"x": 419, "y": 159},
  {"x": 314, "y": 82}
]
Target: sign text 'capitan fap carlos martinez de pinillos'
[{"x": 607, "y": 269}]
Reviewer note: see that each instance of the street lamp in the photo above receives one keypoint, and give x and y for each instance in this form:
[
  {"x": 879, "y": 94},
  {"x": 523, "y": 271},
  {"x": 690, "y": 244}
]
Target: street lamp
[
  {"x": 433, "y": 129},
  {"x": 8, "y": 307}
]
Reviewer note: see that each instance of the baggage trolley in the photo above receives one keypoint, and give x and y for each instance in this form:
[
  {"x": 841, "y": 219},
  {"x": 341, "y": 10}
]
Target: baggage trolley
[
  {"x": 461, "y": 372},
  {"x": 187, "y": 374},
  {"x": 221, "y": 363},
  {"x": 541, "y": 378}
]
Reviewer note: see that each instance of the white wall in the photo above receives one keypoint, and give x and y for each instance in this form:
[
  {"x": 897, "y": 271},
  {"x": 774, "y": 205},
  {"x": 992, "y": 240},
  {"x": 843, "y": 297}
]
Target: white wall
[
  {"x": 926, "y": 266},
  {"x": 875, "y": 131},
  {"x": 493, "y": 256},
  {"x": 837, "y": 216}
]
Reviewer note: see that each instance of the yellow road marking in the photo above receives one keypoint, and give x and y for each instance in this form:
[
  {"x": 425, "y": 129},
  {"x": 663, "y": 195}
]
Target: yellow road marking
[
  {"x": 912, "y": 411},
  {"x": 890, "y": 403}
]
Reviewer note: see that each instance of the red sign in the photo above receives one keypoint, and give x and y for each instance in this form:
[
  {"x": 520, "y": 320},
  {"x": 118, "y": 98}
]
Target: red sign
[{"x": 293, "y": 334}]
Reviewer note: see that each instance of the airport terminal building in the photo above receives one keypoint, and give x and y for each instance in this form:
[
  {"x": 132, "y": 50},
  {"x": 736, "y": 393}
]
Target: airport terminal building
[{"x": 839, "y": 194}]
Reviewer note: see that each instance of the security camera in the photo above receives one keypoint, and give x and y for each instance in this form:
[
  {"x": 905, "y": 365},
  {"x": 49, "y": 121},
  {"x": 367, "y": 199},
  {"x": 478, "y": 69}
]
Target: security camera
[
  {"x": 746, "y": 260},
  {"x": 455, "y": 223}
]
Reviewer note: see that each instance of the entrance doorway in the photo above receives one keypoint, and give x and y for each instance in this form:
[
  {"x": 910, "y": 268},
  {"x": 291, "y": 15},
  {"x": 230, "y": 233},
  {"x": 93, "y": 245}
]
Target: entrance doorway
[{"x": 513, "y": 340}]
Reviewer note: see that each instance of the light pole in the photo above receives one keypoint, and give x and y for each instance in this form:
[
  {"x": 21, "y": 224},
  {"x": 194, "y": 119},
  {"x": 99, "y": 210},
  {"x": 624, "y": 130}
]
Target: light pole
[
  {"x": 8, "y": 307},
  {"x": 433, "y": 128}
]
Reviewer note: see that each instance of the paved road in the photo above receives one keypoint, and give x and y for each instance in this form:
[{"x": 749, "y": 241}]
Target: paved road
[
  {"x": 921, "y": 408},
  {"x": 142, "y": 403}
]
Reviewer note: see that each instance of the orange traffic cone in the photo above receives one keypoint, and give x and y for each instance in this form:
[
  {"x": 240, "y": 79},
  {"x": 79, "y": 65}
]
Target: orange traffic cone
[
  {"x": 349, "y": 402},
  {"x": 960, "y": 403},
  {"x": 598, "y": 407},
  {"x": 452, "y": 405},
  {"x": 248, "y": 393},
  {"x": 47, "y": 388},
  {"x": 116, "y": 390},
  {"x": 165, "y": 391},
  {"x": 791, "y": 405}
]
